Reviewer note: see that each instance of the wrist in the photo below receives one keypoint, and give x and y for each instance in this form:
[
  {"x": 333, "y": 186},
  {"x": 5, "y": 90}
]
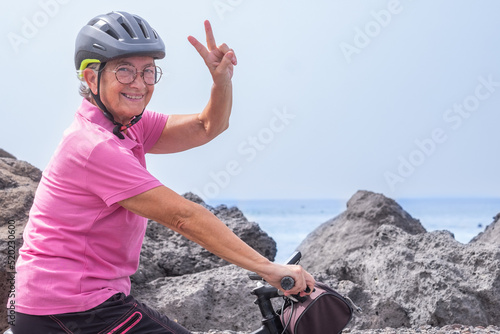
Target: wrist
[
  {"x": 222, "y": 85},
  {"x": 264, "y": 267}
]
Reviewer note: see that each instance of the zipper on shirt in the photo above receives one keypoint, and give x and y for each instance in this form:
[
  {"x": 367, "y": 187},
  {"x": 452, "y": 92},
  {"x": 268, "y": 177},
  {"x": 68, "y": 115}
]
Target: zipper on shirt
[{"x": 127, "y": 325}]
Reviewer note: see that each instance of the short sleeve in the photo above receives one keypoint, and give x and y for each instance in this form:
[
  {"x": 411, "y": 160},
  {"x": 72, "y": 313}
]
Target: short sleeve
[
  {"x": 114, "y": 173},
  {"x": 149, "y": 128}
]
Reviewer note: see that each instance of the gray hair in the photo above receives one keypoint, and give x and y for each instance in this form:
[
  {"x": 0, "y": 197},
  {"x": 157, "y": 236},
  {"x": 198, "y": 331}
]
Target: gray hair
[{"x": 84, "y": 88}]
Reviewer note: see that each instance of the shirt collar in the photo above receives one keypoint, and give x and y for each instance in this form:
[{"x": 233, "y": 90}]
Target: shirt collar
[{"x": 95, "y": 115}]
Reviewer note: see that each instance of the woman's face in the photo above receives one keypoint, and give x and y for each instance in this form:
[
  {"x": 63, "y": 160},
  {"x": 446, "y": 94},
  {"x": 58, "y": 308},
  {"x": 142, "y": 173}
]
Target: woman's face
[{"x": 125, "y": 101}]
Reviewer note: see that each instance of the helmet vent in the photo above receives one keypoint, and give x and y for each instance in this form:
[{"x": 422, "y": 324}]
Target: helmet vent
[
  {"x": 98, "y": 46},
  {"x": 144, "y": 29},
  {"x": 104, "y": 27},
  {"x": 112, "y": 33},
  {"x": 128, "y": 30}
]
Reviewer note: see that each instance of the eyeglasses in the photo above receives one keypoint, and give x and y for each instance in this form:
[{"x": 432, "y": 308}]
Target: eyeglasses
[{"x": 126, "y": 74}]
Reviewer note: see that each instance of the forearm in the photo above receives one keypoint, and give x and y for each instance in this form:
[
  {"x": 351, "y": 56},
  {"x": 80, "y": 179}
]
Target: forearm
[
  {"x": 208, "y": 231},
  {"x": 197, "y": 224},
  {"x": 205, "y": 229},
  {"x": 215, "y": 116},
  {"x": 201, "y": 226},
  {"x": 183, "y": 132}
]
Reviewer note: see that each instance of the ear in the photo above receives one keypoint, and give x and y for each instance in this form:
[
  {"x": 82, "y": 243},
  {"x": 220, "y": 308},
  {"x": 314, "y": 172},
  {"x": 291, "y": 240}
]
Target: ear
[{"x": 90, "y": 77}]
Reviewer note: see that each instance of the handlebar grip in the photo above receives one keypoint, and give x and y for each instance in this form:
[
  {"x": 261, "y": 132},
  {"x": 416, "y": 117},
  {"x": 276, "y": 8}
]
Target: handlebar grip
[{"x": 287, "y": 283}]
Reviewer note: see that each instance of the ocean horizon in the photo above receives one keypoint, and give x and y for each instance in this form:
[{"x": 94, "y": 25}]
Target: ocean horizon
[{"x": 289, "y": 221}]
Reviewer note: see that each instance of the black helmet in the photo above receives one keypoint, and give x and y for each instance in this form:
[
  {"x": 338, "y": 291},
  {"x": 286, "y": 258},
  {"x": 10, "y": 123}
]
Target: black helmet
[{"x": 116, "y": 35}]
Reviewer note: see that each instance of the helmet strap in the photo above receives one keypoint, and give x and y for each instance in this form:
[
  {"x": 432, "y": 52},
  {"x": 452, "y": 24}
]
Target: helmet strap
[{"x": 119, "y": 127}]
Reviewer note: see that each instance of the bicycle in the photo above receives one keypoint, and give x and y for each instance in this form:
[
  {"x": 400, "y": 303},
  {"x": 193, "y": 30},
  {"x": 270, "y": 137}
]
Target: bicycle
[
  {"x": 324, "y": 310},
  {"x": 271, "y": 322}
]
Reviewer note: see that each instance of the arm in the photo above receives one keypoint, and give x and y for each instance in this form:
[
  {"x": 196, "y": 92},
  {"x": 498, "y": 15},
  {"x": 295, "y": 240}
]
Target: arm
[
  {"x": 201, "y": 226},
  {"x": 183, "y": 132}
]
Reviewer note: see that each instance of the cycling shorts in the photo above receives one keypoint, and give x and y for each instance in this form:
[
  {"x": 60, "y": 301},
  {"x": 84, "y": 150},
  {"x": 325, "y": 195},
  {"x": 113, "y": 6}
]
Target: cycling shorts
[{"x": 119, "y": 314}]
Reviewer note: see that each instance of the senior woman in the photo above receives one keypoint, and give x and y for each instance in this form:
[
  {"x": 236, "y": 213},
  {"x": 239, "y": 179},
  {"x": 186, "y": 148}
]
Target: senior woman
[{"x": 88, "y": 220}]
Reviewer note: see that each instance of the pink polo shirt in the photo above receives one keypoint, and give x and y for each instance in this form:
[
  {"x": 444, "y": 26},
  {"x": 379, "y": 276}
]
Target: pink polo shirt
[{"x": 80, "y": 246}]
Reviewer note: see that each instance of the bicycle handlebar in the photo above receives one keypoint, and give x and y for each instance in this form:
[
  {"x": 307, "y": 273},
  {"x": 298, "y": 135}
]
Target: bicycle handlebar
[
  {"x": 271, "y": 323},
  {"x": 287, "y": 282},
  {"x": 294, "y": 259}
]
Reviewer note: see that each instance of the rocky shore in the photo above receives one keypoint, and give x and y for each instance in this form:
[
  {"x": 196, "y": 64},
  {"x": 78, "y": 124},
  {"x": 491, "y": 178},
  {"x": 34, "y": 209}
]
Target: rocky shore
[
  {"x": 405, "y": 279},
  {"x": 449, "y": 329}
]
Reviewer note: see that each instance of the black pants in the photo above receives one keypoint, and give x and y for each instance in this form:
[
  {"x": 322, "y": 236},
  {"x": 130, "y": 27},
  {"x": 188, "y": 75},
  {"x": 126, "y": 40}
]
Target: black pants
[{"x": 119, "y": 314}]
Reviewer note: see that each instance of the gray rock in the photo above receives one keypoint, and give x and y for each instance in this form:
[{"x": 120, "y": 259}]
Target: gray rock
[
  {"x": 18, "y": 183},
  {"x": 492, "y": 233},
  {"x": 167, "y": 253},
  {"x": 402, "y": 275},
  {"x": 215, "y": 299},
  {"x": 219, "y": 299},
  {"x": 5, "y": 154},
  {"x": 353, "y": 229}
]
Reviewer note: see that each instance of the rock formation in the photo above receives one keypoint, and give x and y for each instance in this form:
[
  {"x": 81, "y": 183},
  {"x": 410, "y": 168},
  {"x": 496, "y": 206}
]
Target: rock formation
[
  {"x": 374, "y": 252},
  {"x": 18, "y": 182},
  {"x": 402, "y": 275},
  {"x": 492, "y": 233}
]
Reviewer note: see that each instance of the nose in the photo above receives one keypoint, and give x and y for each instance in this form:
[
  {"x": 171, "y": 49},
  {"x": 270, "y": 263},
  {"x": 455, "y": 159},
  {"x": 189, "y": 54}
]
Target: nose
[{"x": 138, "y": 81}]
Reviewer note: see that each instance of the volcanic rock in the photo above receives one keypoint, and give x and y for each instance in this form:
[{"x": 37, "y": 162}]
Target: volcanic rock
[
  {"x": 491, "y": 235},
  {"x": 402, "y": 275},
  {"x": 18, "y": 183}
]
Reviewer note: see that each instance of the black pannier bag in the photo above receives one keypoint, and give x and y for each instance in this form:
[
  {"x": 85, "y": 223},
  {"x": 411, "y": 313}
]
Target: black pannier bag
[{"x": 325, "y": 311}]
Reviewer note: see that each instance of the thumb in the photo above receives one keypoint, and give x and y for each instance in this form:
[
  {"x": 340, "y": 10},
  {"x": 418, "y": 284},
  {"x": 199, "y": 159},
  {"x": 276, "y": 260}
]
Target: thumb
[{"x": 224, "y": 71}]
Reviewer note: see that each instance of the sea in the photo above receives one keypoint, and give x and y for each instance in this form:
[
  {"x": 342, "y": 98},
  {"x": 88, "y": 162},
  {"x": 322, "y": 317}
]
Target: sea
[{"x": 290, "y": 221}]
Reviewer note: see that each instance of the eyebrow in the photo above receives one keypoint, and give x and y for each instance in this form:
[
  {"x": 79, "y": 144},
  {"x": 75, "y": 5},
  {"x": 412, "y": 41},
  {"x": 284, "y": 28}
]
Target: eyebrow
[{"x": 128, "y": 63}]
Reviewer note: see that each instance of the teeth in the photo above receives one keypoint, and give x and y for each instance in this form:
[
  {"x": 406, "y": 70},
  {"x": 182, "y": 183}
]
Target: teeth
[{"x": 133, "y": 97}]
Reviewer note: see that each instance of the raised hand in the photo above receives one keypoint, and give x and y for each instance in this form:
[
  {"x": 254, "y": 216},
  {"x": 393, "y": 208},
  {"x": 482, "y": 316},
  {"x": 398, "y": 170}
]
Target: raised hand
[{"x": 220, "y": 60}]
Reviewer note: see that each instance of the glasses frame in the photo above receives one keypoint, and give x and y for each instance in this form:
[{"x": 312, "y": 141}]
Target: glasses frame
[{"x": 159, "y": 74}]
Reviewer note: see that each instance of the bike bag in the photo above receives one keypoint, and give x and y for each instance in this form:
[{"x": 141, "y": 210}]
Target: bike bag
[{"x": 323, "y": 311}]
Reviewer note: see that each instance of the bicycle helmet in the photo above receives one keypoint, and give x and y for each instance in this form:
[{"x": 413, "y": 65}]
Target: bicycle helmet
[
  {"x": 116, "y": 35},
  {"x": 110, "y": 36}
]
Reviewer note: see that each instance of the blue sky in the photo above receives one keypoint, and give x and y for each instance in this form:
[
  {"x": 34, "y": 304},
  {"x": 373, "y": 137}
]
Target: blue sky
[{"x": 398, "y": 97}]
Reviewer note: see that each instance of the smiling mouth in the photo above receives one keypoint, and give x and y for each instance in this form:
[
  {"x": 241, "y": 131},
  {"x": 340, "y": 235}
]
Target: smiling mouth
[{"x": 133, "y": 97}]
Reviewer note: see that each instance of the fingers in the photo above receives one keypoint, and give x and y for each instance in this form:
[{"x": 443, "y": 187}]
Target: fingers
[
  {"x": 224, "y": 48},
  {"x": 306, "y": 282},
  {"x": 210, "y": 36},
  {"x": 202, "y": 50},
  {"x": 302, "y": 280},
  {"x": 229, "y": 58},
  {"x": 219, "y": 59},
  {"x": 227, "y": 52},
  {"x": 310, "y": 281},
  {"x": 221, "y": 50}
]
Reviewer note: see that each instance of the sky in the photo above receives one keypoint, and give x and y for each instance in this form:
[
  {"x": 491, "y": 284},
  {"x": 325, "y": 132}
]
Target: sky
[{"x": 396, "y": 97}]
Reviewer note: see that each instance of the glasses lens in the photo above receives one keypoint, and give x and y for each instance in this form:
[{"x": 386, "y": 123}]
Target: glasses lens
[
  {"x": 152, "y": 75},
  {"x": 125, "y": 74}
]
